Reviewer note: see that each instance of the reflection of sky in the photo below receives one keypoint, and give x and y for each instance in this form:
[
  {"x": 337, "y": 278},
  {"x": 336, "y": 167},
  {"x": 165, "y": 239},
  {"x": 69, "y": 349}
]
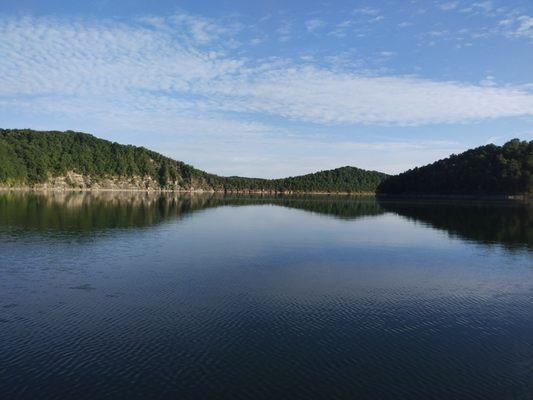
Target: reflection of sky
[
  {"x": 380, "y": 247},
  {"x": 284, "y": 245}
]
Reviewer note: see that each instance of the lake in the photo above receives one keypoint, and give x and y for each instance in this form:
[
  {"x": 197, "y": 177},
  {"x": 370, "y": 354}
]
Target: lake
[{"x": 137, "y": 296}]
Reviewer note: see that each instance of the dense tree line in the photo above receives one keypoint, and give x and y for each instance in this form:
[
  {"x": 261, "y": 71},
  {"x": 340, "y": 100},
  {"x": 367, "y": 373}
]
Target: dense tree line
[
  {"x": 345, "y": 179},
  {"x": 30, "y": 157},
  {"x": 489, "y": 169}
]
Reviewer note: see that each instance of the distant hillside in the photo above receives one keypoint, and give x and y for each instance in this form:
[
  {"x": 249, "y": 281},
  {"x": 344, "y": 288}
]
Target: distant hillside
[
  {"x": 79, "y": 160},
  {"x": 486, "y": 170},
  {"x": 345, "y": 180}
]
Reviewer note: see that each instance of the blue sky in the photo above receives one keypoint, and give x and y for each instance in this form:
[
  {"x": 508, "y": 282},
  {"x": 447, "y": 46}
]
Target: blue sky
[{"x": 273, "y": 88}]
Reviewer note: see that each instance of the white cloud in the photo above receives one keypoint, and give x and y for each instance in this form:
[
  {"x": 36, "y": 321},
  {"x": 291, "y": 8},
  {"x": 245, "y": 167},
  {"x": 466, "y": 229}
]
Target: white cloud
[
  {"x": 116, "y": 70},
  {"x": 203, "y": 30},
  {"x": 517, "y": 26},
  {"x": 480, "y": 7},
  {"x": 314, "y": 24},
  {"x": 525, "y": 26},
  {"x": 256, "y": 41},
  {"x": 341, "y": 29},
  {"x": 449, "y": 5},
  {"x": 367, "y": 11},
  {"x": 321, "y": 96},
  {"x": 370, "y": 14},
  {"x": 285, "y": 31},
  {"x": 405, "y": 24},
  {"x": 387, "y": 54}
]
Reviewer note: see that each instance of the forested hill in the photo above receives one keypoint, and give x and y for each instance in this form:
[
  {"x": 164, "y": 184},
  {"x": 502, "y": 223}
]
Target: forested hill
[
  {"x": 345, "y": 180},
  {"x": 74, "y": 159},
  {"x": 486, "y": 170}
]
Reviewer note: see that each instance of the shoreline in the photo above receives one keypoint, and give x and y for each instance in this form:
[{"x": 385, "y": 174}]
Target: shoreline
[
  {"x": 455, "y": 196},
  {"x": 520, "y": 197},
  {"x": 180, "y": 191}
]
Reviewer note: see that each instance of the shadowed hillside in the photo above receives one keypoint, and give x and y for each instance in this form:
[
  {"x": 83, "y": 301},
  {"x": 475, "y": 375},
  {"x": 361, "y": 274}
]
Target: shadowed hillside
[{"x": 486, "y": 170}]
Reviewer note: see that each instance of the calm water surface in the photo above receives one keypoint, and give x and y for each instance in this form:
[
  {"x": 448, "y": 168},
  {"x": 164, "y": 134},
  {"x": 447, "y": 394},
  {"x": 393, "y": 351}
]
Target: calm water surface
[{"x": 130, "y": 296}]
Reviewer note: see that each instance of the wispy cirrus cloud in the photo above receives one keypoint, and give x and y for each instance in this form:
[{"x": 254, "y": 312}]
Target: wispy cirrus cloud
[
  {"x": 449, "y": 5},
  {"x": 493, "y": 19},
  {"x": 367, "y": 11},
  {"x": 284, "y": 31},
  {"x": 520, "y": 26},
  {"x": 151, "y": 68},
  {"x": 321, "y": 96},
  {"x": 314, "y": 24}
]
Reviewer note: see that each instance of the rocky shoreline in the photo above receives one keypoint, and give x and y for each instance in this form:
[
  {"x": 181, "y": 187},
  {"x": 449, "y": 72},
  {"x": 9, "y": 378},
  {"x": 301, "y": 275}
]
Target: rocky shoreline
[
  {"x": 44, "y": 188},
  {"x": 74, "y": 182},
  {"x": 47, "y": 188}
]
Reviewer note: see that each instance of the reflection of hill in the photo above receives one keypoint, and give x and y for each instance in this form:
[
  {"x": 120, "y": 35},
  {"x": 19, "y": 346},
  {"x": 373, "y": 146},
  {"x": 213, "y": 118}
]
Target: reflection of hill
[
  {"x": 85, "y": 212},
  {"x": 508, "y": 223},
  {"x": 344, "y": 207},
  {"x": 96, "y": 211}
]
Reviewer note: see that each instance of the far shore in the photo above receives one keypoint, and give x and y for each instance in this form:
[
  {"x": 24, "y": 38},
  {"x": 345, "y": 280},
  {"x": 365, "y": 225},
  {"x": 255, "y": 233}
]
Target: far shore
[
  {"x": 191, "y": 191},
  {"x": 523, "y": 197}
]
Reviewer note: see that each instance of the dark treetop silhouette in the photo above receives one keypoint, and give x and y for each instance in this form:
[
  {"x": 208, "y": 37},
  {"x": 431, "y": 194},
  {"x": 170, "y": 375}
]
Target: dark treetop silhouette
[{"x": 489, "y": 169}]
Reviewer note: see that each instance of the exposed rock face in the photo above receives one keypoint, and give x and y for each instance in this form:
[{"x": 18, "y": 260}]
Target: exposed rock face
[{"x": 75, "y": 181}]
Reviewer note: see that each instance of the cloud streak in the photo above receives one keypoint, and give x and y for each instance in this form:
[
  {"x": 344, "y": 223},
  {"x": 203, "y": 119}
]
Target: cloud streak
[
  {"x": 314, "y": 24},
  {"x": 519, "y": 27},
  {"x": 163, "y": 67},
  {"x": 320, "y": 96}
]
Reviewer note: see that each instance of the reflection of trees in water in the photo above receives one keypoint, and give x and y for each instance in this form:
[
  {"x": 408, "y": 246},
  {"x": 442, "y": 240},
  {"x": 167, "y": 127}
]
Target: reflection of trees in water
[
  {"x": 86, "y": 211},
  {"x": 344, "y": 207},
  {"x": 508, "y": 223},
  {"x": 90, "y": 211},
  {"x": 73, "y": 212}
]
